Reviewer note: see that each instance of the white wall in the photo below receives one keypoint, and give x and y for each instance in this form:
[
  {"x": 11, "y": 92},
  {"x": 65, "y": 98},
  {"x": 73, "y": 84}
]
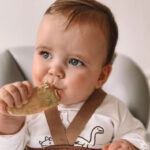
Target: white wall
[
  {"x": 19, "y": 21},
  {"x": 134, "y": 29}
]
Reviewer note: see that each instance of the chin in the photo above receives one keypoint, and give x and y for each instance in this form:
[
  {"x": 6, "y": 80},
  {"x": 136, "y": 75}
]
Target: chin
[{"x": 65, "y": 103}]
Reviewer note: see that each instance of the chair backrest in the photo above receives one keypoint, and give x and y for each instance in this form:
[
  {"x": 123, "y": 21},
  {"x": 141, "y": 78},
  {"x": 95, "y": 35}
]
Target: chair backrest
[
  {"x": 126, "y": 81},
  {"x": 16, "y": 65},
  {"x": 24, "y": 57}
]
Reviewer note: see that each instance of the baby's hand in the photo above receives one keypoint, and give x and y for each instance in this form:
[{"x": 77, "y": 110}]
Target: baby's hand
[
  {"x": 14, "y": 95},
  {"x": 120, "y": 145}
]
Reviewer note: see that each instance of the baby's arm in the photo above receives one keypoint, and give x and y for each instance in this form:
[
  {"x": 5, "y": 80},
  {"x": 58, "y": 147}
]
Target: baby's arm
[
  {"x": 128, "y": 130},
  {"x": 120, "y": 145},
  {"x": 13, "y": 95}
]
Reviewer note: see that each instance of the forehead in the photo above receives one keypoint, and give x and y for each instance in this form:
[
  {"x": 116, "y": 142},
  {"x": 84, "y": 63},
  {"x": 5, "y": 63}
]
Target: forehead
[
  {"x": 53, "y": 31},
  {"x": 60, "y": 22}
]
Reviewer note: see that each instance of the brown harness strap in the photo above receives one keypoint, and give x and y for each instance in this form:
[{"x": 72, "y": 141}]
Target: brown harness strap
[
  {"x": 68, "y": 136},
  {"x": 56, "y": 127},
  {"x": 60, "y": 147},
  {"x": 84, "y": 114}
]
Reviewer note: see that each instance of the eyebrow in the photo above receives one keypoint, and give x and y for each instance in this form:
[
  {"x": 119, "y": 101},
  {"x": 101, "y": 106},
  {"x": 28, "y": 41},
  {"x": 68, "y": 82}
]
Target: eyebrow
[{"x": 43, "y": 47}]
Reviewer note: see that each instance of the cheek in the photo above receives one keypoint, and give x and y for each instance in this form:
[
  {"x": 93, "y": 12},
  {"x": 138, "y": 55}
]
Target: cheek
[
  {"x": 84, "y": 80},
  {"x": 80, "y": 86},
  {"x": 80, "y": 80}
]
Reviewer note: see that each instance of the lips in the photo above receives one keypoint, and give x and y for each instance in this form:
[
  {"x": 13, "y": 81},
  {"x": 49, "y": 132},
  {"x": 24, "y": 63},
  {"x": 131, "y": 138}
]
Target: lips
[
  {"x": 58, "y": 91},
  {"x": 54, "y": 86}
]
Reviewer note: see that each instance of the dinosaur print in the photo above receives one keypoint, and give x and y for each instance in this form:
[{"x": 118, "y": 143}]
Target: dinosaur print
[
  {"x": 47, "y": 142},
  {"x": 81, "y": 141}
]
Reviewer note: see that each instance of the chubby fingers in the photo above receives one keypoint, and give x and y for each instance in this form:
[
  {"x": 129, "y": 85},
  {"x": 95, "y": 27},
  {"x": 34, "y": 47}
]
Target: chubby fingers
[
  {"x": 23, "y": 92},
  {"x": 29, "y": 87},
  {"x": 3, "y": 108},
  {"x": 120, "y": 145},
  {"x": 15, "y": 95}
]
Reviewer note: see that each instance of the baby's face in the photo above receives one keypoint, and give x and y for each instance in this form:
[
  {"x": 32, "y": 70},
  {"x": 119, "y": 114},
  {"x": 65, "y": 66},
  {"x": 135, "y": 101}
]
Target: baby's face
[{"x": 70, "y": 60}]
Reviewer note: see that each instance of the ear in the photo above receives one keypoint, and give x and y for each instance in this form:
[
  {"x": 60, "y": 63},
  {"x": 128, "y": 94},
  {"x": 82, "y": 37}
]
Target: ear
[{"x": 105, "y": 72}]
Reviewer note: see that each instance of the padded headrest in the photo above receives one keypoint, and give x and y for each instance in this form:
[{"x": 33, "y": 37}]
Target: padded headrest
[
  {"x": 128, "y": 83},
  {"x": 9, "y": 70},
  {"x": 24, "y": 57}
]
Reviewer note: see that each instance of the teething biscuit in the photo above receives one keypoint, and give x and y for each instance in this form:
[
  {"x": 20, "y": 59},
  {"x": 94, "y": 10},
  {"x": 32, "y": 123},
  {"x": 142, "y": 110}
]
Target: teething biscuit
[{"x": 41, "y": 99}]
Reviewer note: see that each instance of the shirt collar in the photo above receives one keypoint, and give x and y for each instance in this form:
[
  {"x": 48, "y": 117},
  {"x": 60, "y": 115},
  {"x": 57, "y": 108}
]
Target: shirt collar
[{"x": 77, "y": 106}]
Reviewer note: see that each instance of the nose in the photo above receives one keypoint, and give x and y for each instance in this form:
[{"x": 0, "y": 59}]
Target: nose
[{"x": 56, "y": 71}]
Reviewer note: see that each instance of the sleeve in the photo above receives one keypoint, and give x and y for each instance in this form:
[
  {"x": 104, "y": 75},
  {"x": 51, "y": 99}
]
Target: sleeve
[
  {"x": 130, "y": 128},
  {"x": 16, "y": 141}
]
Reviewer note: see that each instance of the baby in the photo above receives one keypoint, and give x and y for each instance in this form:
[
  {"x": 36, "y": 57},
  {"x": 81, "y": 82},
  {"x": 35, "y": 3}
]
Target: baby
[{"x": 74, "y": 48}]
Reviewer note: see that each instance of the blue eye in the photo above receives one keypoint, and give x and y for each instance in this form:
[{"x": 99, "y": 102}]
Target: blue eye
[
  {"x": 45, "y": 55},
  {"x": 76, "y": 62}
]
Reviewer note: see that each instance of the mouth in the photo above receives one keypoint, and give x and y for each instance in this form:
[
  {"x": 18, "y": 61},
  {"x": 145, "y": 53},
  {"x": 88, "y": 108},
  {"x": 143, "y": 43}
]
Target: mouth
[
  {"x": 53, "y": 86},
  {"x": 59, "y": 93},
  {"x": 58, "y": 90}
]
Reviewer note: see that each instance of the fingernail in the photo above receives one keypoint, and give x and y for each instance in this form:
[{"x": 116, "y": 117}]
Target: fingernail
[
  {"x": 19, "y": 106},
  {"x": 25, "y": 102}
]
